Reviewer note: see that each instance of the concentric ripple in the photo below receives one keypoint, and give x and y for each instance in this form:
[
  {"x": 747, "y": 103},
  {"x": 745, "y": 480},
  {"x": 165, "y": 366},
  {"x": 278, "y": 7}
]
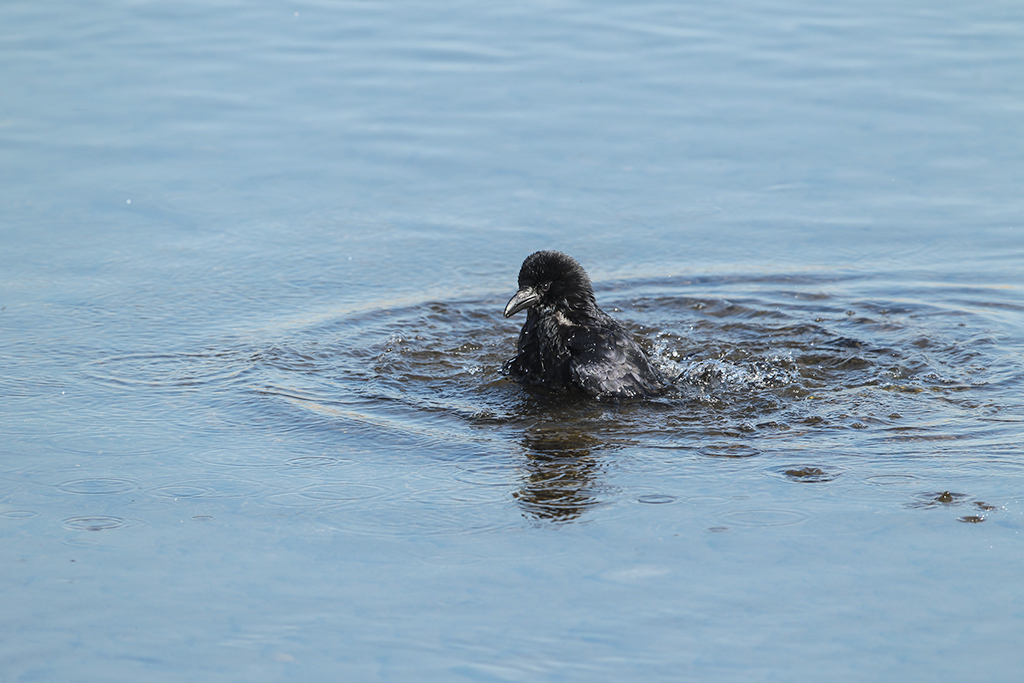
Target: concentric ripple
[
  {"x": 94, "y": 523},
  {"x": 97, "y": 486},
  {"x": 763, "y": 368},
  {"x": 754, "y": 374}
]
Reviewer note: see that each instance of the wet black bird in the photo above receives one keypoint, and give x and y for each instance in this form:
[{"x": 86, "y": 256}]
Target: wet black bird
[{"x": 567, "y": 342}]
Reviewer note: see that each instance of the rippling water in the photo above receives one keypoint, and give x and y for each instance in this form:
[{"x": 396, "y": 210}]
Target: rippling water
[
  {"x": 816, "y": 377},
  {"x": 254, "y": 258}
]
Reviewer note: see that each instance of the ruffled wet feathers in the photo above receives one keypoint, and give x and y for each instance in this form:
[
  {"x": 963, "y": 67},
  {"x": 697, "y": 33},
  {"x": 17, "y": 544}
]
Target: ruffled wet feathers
[{"x": 568, "y": 342}]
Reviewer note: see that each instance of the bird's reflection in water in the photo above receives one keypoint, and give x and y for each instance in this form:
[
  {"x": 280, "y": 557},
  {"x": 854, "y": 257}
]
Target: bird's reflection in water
[{"x": 562, "y": 474}]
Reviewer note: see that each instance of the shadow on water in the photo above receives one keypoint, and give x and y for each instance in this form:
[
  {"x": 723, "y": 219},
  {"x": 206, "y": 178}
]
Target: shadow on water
[{"x": 786, "y": 369}]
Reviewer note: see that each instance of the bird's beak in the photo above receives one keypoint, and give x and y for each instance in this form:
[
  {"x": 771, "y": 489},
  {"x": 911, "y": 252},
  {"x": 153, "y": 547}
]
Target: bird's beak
[{"x": 524, "y": 298}]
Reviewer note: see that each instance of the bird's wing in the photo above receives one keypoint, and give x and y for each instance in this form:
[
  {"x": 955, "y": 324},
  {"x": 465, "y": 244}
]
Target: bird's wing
[{"x": 606, "y": 362}]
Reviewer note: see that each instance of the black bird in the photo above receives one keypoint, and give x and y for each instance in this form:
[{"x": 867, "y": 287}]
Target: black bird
[{"x": 567, "y": 342}]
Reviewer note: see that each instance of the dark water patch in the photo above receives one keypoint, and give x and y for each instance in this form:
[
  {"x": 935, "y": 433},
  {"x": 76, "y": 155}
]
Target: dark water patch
[
  {"x": 808, "y": 474},
  {"x": 847, "y": 343}
]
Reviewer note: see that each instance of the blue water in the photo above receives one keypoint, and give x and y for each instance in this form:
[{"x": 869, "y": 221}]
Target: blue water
[{"x": 254, "y": 257}]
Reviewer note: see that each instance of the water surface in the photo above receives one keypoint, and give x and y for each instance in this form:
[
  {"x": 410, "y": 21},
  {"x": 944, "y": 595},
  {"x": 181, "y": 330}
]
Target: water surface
[{"x": 254, "y": 261}]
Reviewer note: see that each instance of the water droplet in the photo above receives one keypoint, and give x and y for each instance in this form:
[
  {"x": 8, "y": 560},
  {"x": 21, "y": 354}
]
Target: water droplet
[{"x": 809, "y": 474}]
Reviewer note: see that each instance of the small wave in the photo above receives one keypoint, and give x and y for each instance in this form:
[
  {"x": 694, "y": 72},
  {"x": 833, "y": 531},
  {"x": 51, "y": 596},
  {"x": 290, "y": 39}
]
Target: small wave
[{"x": 200, "y": 369}]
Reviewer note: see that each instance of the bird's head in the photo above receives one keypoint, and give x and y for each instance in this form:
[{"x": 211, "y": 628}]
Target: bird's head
[{"x": 551, "y": 279}]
